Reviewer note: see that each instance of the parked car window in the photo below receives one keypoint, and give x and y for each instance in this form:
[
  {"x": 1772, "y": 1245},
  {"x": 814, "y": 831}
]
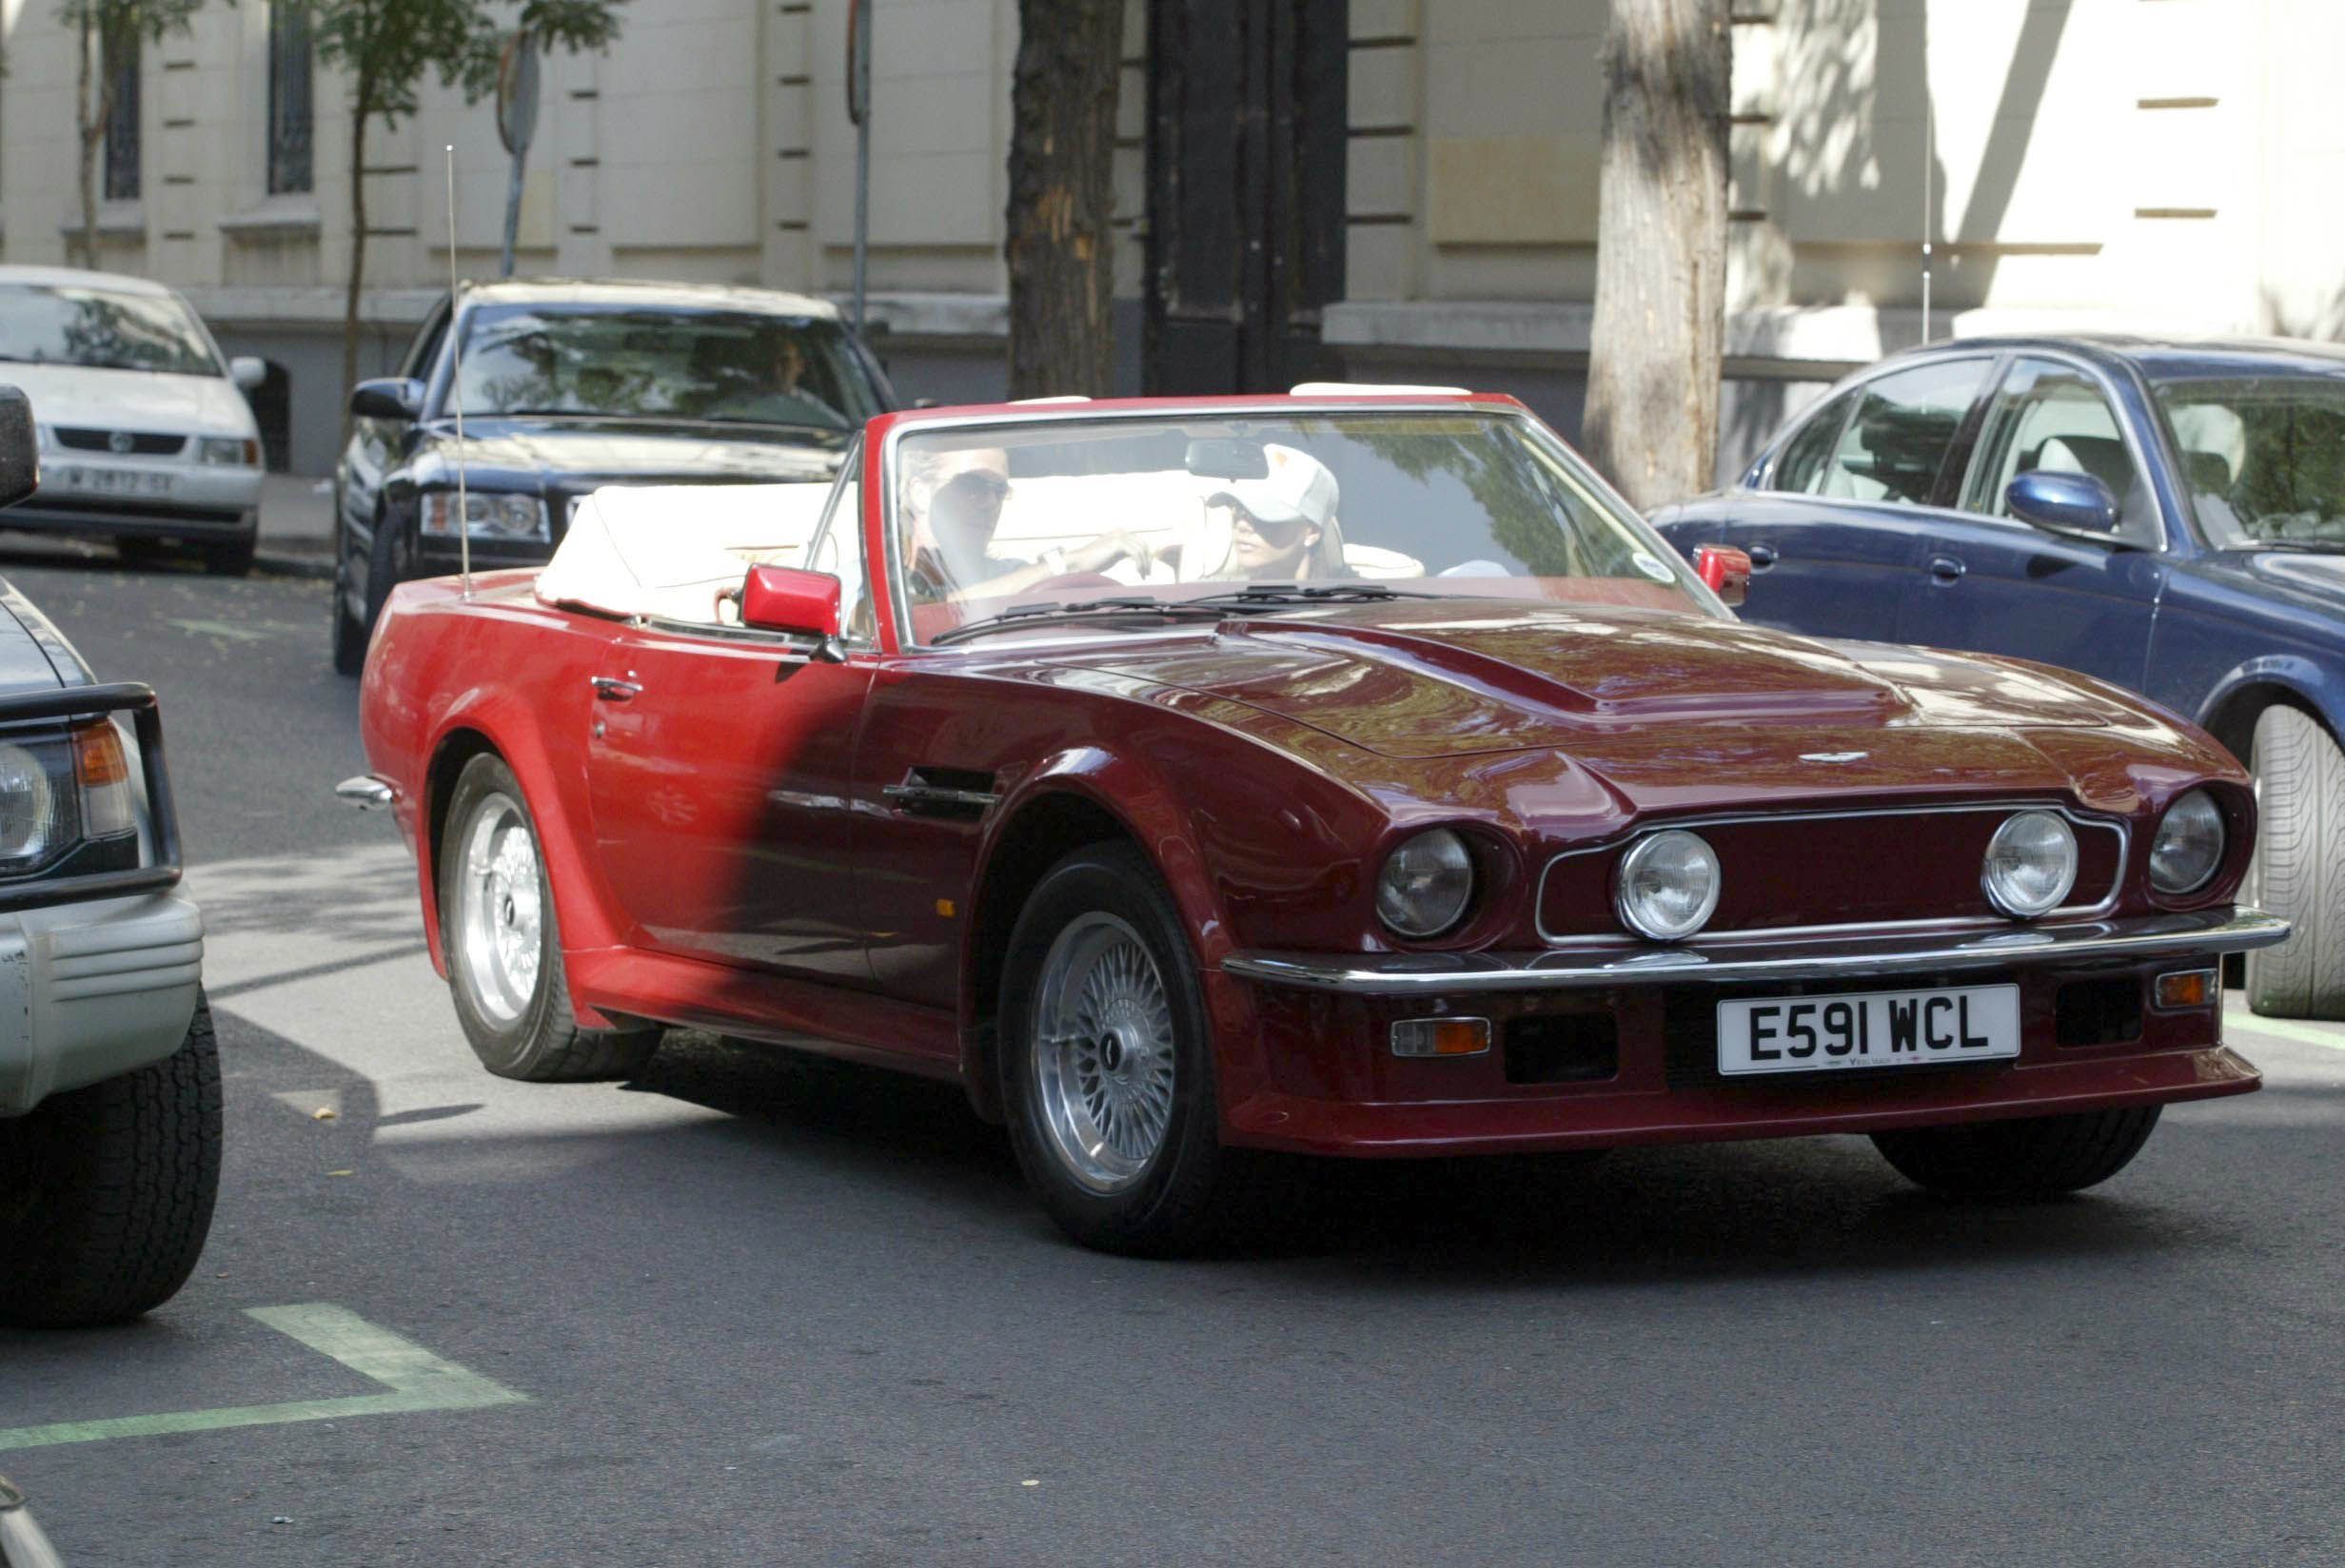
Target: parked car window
[
  {"x": 625, "y": 361},
  {"x": 102, "y": 329},
  {"x": 424, "y": 352},
  {"x": 1800, "y": 468},
  {"x": 2053, "y": 418},
  {"x": 2263, "y": 457},
  {"x": 1898, "y": 439}
]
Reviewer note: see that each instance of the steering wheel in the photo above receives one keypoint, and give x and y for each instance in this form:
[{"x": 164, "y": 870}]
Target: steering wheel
[{"x": 1073, "y": 579}]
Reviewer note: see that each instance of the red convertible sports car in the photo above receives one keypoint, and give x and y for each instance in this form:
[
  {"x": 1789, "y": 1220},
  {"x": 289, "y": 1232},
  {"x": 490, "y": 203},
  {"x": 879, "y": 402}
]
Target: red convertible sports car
[{"x": 1337, "y": 774}]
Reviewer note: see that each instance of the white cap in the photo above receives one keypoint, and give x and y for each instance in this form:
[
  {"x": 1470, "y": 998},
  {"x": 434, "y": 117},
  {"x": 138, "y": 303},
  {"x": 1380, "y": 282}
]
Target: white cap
[{"x": 1297, "y": 485}]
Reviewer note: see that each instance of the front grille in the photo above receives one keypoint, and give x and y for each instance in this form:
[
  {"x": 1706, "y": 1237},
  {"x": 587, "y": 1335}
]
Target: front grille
[
  {"x": 1689, "y": 1028},
  {"x": 144, "y": 444}
]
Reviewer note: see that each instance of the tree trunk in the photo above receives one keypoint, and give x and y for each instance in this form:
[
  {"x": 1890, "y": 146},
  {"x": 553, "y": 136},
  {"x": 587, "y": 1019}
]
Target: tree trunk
[
  {"x": 90, "y": 126},
  {"x": 360, "y": 95},
  {"x": 1651, "y": 424},
  {"x": 1062, "y": 196}
]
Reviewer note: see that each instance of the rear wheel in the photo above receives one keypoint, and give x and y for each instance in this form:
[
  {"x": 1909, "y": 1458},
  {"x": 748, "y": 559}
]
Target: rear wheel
[
  {"x": 349, "y": 632},
  {"x": 106, "y": 1193},
  {"x": 2299, "y": 870},
  {"x": 504, "y": 944},
  {"x": 2036, "y": 1157},
  {"x": 1108, "y": 1063}
]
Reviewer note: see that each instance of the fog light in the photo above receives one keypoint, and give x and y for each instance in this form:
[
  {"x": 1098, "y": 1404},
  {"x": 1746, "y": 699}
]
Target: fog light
[
  {"x": 1441, "y": 1037},
  {"x": 2186, "y": 989}
]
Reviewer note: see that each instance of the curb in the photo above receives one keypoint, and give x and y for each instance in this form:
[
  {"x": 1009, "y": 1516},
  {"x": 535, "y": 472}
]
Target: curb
[{"x": 310, "y": 567}]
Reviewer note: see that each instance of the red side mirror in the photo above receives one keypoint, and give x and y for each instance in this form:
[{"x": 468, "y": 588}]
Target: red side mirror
[
  {"x": 1725, "y": 570},
  {"x": 782, "y": 599}
]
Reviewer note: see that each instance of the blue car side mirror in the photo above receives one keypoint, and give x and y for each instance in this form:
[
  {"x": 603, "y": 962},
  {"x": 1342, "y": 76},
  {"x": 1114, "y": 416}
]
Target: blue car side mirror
[{"x": 2063, "y": 503}]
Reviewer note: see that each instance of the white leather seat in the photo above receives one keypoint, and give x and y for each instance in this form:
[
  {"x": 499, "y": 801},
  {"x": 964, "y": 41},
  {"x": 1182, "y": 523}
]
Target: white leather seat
[{"x": 667, "y": 550}]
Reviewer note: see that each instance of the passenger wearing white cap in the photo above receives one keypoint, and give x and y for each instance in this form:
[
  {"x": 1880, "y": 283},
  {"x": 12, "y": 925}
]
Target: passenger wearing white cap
[{"x": 1282, "y": 526}]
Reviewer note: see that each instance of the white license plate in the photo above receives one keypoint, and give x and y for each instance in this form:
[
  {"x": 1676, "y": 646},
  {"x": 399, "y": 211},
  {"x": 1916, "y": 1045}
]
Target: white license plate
[
  {"x": 114, "y": 481},
  {"x": 1874, "y": 1028}
]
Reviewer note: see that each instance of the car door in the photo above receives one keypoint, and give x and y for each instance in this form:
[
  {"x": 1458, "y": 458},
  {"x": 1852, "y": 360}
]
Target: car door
[
  {"x": 1992, "y": 584},
  {"x": 375, "y": 449},
  {"x": 720, "y": 765},
  {"x": 1838, "y": 517}
]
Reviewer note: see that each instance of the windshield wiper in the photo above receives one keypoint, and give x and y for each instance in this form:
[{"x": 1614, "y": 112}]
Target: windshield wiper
[
  {"x": 1273, "y": 596},
  {"x": 1037, "y": 612}
]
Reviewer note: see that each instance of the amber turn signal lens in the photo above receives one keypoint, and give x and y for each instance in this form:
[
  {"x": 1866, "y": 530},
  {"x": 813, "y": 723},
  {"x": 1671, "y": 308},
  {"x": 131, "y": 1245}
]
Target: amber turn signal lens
[
  {"x": 1441, "y": 1037},
  {"x": 103, "y": 770},
  {"x": 2186, "y": 989}
]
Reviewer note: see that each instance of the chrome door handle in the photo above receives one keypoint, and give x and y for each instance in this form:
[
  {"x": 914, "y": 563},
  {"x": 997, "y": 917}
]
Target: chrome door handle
[
  {"x": 1946, "y": 569},
  {"x": 1761, "y": 557},
  {"x": 612, "y": 689}
]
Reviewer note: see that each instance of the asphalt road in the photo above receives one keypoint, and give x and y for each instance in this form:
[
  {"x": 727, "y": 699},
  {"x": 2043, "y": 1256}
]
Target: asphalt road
[{"x": 753, "y": 1310}]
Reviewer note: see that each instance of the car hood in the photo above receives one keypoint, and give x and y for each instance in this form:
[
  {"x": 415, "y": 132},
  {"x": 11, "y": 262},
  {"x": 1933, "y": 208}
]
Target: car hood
[
  {"x": 1414, "y": 680},
  {"x": 132, "y": 400},
  {"x": 539, "y": 451}
]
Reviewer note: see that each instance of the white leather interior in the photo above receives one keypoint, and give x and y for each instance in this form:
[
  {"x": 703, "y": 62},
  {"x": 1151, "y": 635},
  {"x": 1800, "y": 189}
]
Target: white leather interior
[{"x": 668, "y": 551}]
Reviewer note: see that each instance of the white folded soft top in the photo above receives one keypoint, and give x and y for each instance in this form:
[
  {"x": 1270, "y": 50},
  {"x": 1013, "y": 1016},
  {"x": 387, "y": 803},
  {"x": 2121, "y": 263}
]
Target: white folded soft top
[{"x": 667, "y": 550}]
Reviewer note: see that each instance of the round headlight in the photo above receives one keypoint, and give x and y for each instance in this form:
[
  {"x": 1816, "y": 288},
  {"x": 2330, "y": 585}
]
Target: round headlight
[
  {"x": 1425, "y": 883},
  {"x": 2031, "y": 864},
  {"x": 2189, "y": 843},
  {"x": 1668, "y": 885},
  {"x": 27, "y": 806}
]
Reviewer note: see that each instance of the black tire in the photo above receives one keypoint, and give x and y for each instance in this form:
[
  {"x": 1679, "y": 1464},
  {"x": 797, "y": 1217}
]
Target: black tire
[
  {"x": 1183, "y": 1197},
  {"x": 2036, "y": 1157},
  {"x": 2299, "y": 870},
  {"x": 106, "y": 1192},
  {"x": 234, "y": 559},
  {"x": 349, "y": 631},
  {"x": 143, "y": 554},
  {"x": 542, "y": 1042},
  {"x": 388, "y": 560}
]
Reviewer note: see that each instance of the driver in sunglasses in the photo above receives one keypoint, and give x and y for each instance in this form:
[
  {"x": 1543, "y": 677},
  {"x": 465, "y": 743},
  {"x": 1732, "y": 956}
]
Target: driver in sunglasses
[{"x": 953, "y": 505}]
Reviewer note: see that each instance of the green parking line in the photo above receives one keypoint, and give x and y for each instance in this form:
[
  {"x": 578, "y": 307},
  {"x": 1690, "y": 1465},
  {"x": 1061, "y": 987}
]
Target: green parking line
[
  {"x": 2280, "y": 1028},
  {"x": 416, "y": 1379}
]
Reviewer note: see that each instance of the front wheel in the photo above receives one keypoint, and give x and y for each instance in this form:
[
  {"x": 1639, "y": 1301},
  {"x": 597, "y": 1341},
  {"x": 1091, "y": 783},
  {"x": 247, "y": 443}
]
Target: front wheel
[
  {"x": 106, "y": 1192},
  {"x": 504, "y": 944},
  {"x": 2034, "y": 1157},
  {"x": 1107, "y": 1061},
  {"x": 2299, "y": 872}
]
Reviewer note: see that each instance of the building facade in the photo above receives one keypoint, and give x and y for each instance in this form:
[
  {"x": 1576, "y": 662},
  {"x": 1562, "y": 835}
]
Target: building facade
[{"x": 1388, "y": 189}]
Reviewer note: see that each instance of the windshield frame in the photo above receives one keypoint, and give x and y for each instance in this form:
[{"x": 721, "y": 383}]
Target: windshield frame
[
  {"x": 2157, "y": 387},
  {"x": 880, "y": 502},
  {"x": 440, "y": 388}
]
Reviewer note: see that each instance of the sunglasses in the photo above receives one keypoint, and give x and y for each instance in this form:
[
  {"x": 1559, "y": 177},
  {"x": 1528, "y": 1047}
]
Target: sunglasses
[
  {"x": 977, "y": 485},
  {"x": 1282, "y": 532}
]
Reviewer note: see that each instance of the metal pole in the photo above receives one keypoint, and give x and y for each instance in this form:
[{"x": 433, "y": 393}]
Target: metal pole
[
  {"x": 456, "y": 391},
  {"x": 512, "y": 217},
  {"x": 859, "y": 106}
]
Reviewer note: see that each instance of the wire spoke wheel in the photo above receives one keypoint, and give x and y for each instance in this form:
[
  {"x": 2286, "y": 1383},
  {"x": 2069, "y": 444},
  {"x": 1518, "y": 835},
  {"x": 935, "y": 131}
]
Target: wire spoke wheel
[
  {"x": 499, "y": 914},
  {"x": 1103, "y": 1052}
]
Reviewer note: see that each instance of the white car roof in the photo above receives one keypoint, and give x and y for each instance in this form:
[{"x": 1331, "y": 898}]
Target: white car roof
[{"x": 74, "y": 276}]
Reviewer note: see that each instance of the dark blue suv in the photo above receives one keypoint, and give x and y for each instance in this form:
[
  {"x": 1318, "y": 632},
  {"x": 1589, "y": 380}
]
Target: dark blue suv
[{"x": 2169, "y": 517}]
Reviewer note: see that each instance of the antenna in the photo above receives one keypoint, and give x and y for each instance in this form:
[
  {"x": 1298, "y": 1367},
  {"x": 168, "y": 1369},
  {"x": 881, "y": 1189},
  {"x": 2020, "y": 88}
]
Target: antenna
[
  {"x": 1928, "y": 133},
  {"x": 456, "y": 395}
]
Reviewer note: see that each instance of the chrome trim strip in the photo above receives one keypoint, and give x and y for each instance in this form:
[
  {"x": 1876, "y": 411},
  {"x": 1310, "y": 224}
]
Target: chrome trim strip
[
  {"x": 365, "y": 792},
  {"x": 2206, "y": 934},
  {"x": 1587, "y": 939}
]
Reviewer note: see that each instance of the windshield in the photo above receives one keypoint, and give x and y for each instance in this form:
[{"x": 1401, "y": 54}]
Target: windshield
[
  {"x": 102, "y": 330},
  {"x": 732, "y": 366},
  {"x": 1164, "y": 510},
  {"x": 2263, "y": 458}
]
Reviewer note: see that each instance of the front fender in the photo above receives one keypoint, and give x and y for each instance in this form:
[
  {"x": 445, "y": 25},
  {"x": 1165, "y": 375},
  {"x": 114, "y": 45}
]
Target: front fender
[{"x": 2314, "y": 685}]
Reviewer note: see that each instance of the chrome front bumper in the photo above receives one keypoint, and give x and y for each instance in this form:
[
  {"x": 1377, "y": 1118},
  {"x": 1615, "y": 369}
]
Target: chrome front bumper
[
  {"x": 91, "y": 991},
  {"x": 2206, "y": 934}
]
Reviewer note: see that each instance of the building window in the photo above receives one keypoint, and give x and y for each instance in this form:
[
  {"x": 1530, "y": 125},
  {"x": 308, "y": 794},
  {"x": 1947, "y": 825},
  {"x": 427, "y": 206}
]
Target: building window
[
  {"x": 289, "y": 76},
  {"x": 118, "y": 64}
]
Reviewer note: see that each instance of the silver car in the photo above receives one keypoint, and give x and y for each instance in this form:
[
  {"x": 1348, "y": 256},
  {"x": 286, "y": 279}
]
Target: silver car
[{"x": 145, "y": 432}]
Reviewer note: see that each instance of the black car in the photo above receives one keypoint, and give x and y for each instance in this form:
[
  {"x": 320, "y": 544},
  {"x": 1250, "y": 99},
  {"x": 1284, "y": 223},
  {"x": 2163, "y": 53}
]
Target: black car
[{"x": 569, "y": 385}]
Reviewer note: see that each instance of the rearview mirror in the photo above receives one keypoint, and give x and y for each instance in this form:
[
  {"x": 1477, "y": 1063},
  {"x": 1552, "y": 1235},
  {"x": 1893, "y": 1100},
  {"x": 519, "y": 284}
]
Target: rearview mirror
[
  {"x": 247, "y": 372},
  {"x": 1226, "y": 460},
  {"x": 390, "y": 397},
  {"x": 782, "y": 599},
  {"x": 2063, "y": 503},
  {"x": 1724, "y": 570},
  {"x": 20, "y": 447}
]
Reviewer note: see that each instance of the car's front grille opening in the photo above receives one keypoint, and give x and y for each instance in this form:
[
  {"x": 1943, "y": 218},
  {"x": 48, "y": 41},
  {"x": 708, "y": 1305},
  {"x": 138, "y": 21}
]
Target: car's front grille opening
[
  {"x": 2100, "y": 1012},
  {"x": 145, "y": 444},
  {"x": 1562, "y": 1048}
]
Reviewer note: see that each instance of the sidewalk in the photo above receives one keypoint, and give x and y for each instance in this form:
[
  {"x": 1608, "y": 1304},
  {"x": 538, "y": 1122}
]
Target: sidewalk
[{"x": 297, "y": 526}]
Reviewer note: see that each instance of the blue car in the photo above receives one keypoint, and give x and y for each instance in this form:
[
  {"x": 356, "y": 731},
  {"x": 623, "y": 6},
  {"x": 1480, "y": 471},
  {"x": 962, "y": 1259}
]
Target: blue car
[{"x": 2168, "y": 517}]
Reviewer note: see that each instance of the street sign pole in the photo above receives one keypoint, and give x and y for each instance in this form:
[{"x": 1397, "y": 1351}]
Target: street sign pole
[
  {"x": 858, "y": 111},
  {"x": 516, "y": 121}
]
